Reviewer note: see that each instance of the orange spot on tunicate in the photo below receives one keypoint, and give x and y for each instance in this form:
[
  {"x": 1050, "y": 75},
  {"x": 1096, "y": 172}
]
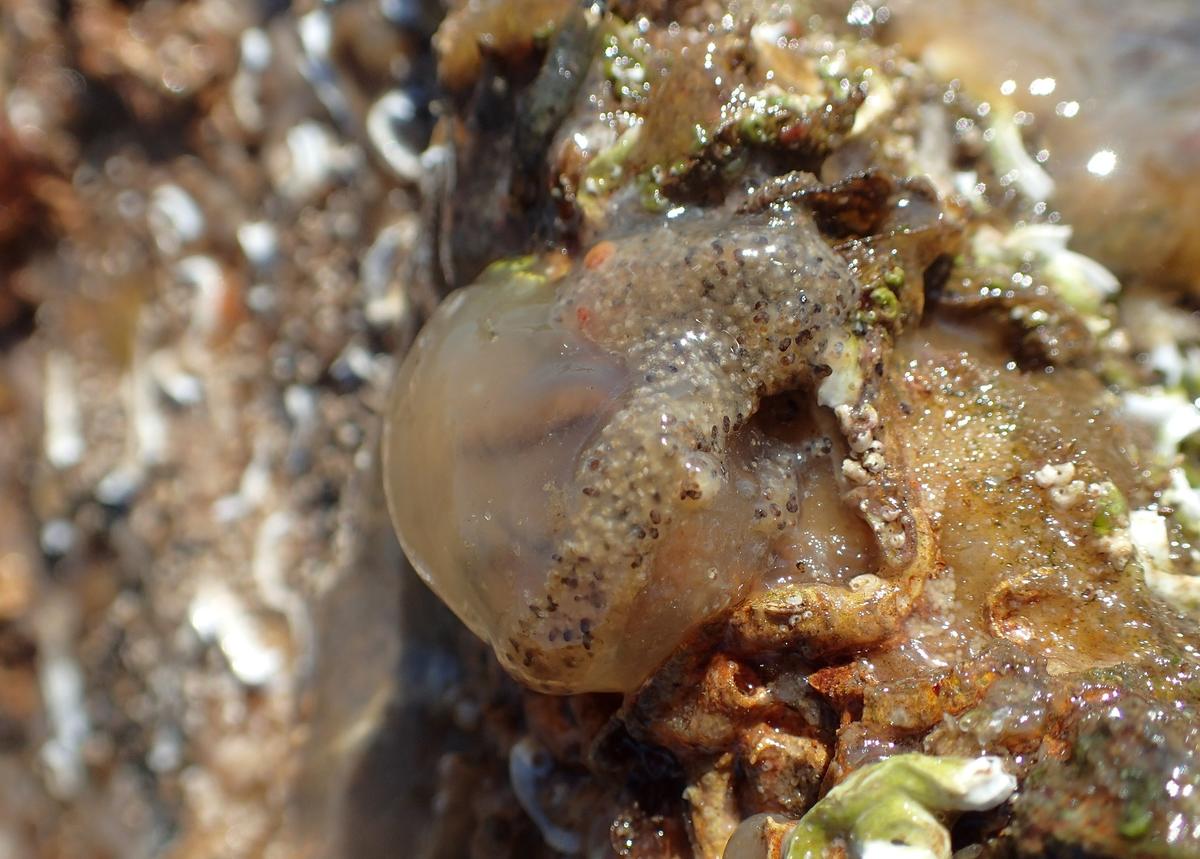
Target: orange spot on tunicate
[
  {"x": 794, "y": 133},
  {"x": 557, "y": 266},
  {"x": 599, "y": 255},
  {"x": 582, "y": 316}
]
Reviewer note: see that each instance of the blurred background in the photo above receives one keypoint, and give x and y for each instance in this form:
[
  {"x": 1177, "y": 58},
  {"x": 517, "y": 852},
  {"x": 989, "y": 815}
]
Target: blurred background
[{"x": 206, "y": 209}]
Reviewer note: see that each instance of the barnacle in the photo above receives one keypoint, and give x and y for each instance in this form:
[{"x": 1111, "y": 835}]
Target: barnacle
[
  {"x": 895, "y": 808},
  {"x": 1148, "y": 531}
]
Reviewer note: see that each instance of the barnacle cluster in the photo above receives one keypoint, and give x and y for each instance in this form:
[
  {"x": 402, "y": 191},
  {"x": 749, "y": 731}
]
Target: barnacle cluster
[{"x": 1085, "y": 73}]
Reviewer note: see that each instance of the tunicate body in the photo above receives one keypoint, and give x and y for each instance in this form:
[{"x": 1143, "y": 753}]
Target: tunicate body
[{"x": 571, "y": 458}]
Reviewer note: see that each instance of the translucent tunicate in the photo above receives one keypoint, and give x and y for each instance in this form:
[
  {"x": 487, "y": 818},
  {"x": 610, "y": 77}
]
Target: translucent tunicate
[{"x": 570, "y": 454}]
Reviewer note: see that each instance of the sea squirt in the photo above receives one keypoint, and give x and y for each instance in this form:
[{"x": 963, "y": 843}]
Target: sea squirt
[{"x": 571, "y": 459}]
